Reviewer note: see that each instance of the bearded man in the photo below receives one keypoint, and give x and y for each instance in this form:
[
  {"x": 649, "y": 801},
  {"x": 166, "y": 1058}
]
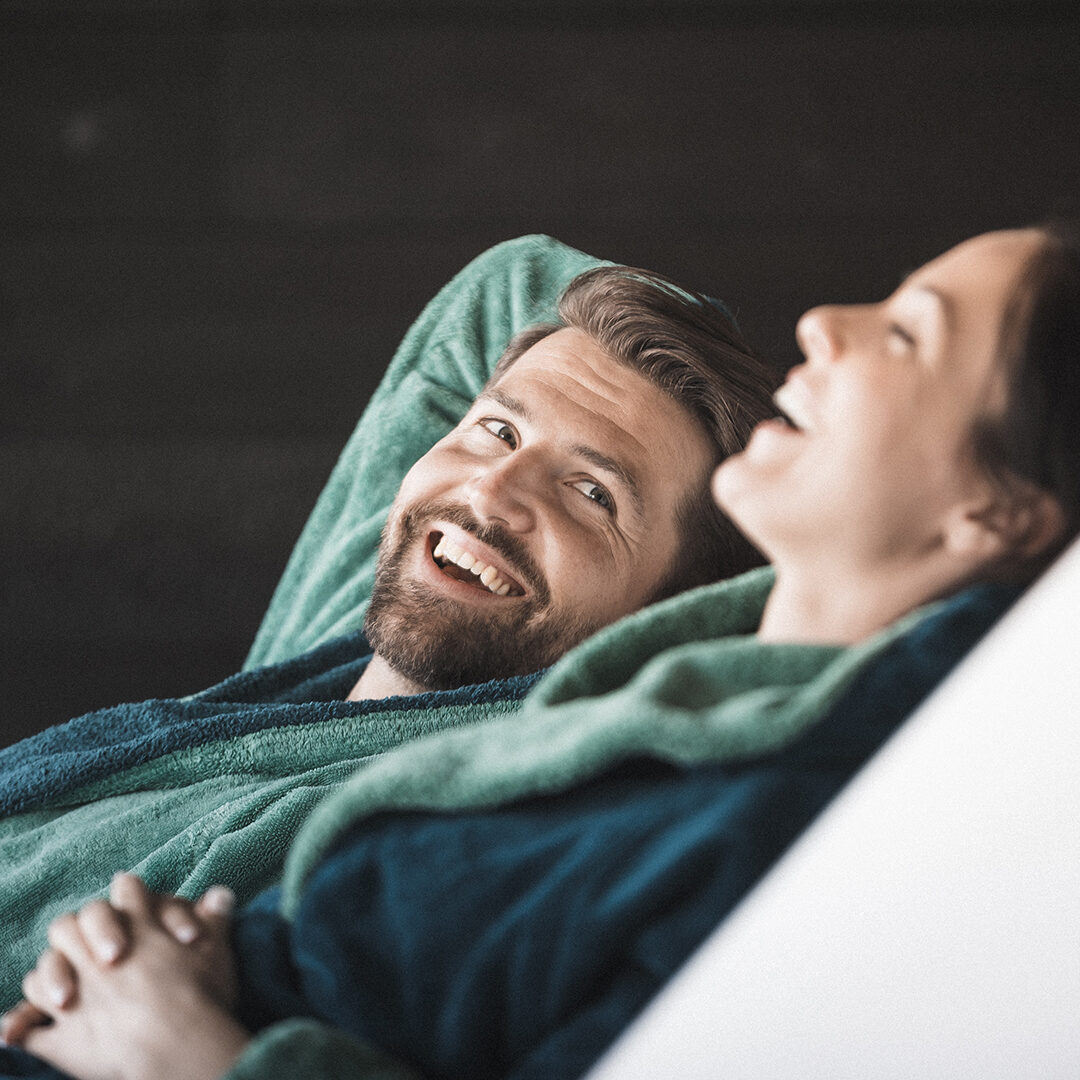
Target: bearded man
[{"x": 570, "y": 492}]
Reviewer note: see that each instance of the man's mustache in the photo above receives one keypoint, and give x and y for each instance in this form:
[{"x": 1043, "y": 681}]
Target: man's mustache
[{"x": 414, "y": 521}]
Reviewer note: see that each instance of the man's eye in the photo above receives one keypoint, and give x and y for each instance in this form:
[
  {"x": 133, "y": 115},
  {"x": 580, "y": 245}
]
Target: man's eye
[
  {"x": 500, "y": 429},
  {"x": 595, "y": 493}
]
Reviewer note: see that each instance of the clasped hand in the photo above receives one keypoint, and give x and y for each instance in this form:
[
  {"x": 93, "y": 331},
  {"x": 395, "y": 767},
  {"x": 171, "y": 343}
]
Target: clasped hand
[{"x": 139, "y": 987}]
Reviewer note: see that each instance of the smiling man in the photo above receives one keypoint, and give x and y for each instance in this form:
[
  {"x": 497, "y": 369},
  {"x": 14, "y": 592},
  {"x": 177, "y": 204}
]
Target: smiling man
[{"x": 571, "y": 493}]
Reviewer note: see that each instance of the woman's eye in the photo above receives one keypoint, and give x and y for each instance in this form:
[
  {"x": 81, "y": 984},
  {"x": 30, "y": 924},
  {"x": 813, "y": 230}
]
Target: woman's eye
[
  {"x": 501, "y": 430},
  {"x": 595, "y": 493},
  {"x": 898, "y": 333}
]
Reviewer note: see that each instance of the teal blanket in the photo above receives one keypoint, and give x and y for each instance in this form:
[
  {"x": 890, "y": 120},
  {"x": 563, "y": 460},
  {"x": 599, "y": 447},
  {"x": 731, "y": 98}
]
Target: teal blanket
[
  {"x": 214, "y": 787},
  {"x": 684, "y": 682}
]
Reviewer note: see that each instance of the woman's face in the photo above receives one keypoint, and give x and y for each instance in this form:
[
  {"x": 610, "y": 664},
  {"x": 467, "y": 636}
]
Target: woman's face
[{"x": 879, "y": 451}]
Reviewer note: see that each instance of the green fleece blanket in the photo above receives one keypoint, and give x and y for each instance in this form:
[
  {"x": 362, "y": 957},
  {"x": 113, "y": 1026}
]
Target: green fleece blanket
[
  {"x": 684, "y": 681},
  {"x": 202, "y": 790},
  {"x": 221, "y": 810}
]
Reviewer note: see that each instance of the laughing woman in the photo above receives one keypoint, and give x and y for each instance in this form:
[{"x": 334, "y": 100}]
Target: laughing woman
[{"x": 501, "y": 901}]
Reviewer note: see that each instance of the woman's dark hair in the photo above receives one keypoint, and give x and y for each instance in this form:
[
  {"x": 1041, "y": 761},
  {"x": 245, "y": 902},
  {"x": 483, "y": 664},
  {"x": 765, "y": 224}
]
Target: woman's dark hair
[
  {"x": 686, "y": 345},
  {"x": 1036, "y": 437}
]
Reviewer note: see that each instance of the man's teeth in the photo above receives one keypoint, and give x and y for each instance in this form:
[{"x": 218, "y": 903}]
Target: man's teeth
[{"x": 448, "y": 551}]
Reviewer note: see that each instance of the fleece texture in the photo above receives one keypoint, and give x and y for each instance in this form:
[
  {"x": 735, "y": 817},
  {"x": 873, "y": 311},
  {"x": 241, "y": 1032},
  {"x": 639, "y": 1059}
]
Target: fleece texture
[{"x": 500, "y": 900}]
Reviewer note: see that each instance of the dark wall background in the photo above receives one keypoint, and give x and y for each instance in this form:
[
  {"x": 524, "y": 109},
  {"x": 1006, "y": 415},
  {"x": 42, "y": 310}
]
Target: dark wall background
[{"x": 217, "y": 219}]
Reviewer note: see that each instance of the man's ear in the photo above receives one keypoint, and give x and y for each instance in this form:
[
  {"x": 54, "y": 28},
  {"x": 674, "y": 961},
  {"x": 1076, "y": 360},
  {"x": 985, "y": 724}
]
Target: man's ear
[{"x": 1015, "y": 524}]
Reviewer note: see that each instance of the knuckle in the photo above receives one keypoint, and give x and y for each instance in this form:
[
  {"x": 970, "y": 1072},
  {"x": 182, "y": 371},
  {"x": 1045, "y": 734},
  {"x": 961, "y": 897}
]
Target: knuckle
[
  {"x": 95, "y": 911},
  {"x": 61, "y": 927}
]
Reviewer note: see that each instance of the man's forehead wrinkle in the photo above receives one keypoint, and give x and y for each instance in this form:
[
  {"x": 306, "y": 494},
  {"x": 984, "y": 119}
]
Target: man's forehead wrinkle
[
  {"x": 598, "y": 395},
  {"x": 606, "y": 403}
]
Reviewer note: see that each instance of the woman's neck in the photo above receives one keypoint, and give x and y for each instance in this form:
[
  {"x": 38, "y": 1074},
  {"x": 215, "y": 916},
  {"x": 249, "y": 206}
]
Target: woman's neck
[{"x": 825, "y": 607}]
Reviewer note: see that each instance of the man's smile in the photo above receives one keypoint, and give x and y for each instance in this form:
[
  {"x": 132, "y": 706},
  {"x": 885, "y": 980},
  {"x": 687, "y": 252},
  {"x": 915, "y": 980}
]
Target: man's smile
[{"x": 464, "y": 558}]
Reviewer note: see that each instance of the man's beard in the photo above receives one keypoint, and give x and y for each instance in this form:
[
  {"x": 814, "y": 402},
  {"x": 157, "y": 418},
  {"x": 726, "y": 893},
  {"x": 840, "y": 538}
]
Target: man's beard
[{"x": 439, "y": 643}]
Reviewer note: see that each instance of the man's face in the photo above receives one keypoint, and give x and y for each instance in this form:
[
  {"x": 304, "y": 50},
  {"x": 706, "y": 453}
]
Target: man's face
[{"x": 548, "y": 512}]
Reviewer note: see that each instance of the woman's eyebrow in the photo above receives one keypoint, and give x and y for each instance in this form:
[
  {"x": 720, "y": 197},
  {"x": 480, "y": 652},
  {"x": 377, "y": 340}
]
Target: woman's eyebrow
[{"x": 944, "y": 305}]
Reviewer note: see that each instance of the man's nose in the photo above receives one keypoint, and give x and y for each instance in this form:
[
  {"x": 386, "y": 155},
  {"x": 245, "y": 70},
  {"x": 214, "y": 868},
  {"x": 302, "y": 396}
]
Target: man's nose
[
  {"x": 819, "y": 333},
  {"x": 505, "y": 490}
]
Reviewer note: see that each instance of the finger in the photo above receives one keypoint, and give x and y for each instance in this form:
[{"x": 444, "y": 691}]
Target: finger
[
  {"x": 64, "y": 935},
  {"x": 129, "y": 893},
  {"x": 215, "y": 908},
  {"x": 55, "y": 981},
  {"x": 187, "y": 921},
  {"x": 105, "y": 931},
  {"x": 178, "y": 918},
  {"x": 39, "y": 986},
  {"x": 216, "y": 904},
  {"x": 17, "y": 1022}
]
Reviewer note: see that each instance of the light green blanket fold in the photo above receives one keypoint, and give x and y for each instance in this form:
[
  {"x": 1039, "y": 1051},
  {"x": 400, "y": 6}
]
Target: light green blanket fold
[{"x": 225, "y": 811}]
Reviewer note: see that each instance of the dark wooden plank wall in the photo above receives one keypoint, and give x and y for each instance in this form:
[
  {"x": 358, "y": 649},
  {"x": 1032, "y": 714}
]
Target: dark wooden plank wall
[{"x": 217, "y": 219}]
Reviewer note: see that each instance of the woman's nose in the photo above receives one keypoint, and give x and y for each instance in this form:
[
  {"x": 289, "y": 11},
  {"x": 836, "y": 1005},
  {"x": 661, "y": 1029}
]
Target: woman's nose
[
  {"x": 819, "y": 333},
  {"x": 504, "y": 490}
]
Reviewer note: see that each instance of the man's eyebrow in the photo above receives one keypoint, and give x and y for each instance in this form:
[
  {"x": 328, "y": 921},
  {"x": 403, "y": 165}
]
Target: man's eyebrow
[
  {"x": 626, "y": 477},
  {"x": 507, "y": 401}
]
